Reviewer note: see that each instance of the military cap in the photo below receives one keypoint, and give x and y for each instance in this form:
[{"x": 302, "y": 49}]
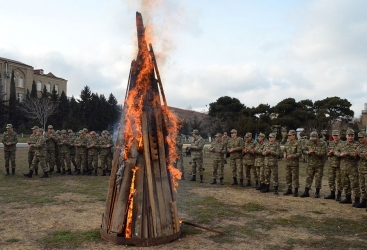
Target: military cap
[
  {"x": 40, "y": 130},
  {"x": 234, "y": 131},
  {"x": 362, "y": 134},
  {"x": 92, "y": 133},
  {"x": 313, "y": 135},
  {"x": 248, "y": 135},
  {"x": 218, "y": 135},
  {"x": 272, "y": 135},
  {"x": 81, "y": 132},
  {"x": 350, "y": 132},
  {"x": 9, "y": 126},
  {"x": 336, "y": 132},
  {"x": 292, "y": 132},
  {"x": 195, "y": 132},
  {"x": 85, "y": 130},
  {"x": 57, "y": 131},
  {"x": 35, "y": 127},
  {"x": 224, "y": 133},
  {"x": 262, "y": 135},
  {"x": 63, "y": 131},
  {"x": 50, "y": 126},
  {"x": 70, "y": 131}
]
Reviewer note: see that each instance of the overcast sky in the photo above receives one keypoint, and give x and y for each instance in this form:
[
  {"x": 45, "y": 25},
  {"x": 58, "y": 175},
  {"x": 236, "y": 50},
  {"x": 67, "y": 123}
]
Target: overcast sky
[{"x": 257, "y": 51}]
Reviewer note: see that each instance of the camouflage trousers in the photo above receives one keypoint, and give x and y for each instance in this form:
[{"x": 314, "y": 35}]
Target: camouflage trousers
[
  {"x": 31, "y": 153},
  {"x": 80, "y": 161},
  {"x": 93, "y": 161},
  {"x": 314, "y": 171},
  {"x": 260, "y": 173},
  {"x": 197, "y": 163},
  {"x": 106, "y": 160},
  {"x": 50, "y": 159},
  {"x": 292, "y": 175},
  {"x": 179, "y": 163},
  {"x": 41, "y": 161},
  {"x": 72, "y": 159},
  {"x": 236, "y": 165},
  {"x": 335, "y": 178},
  {"x": 57, "y": 159},
  {"x": 350, "y": 180},
  {"x": 363, "y": 181},
  {"x": 65, "y": 157},
  {"x": 248, "y": 169},
  {"x": 218, "y": 163},
  {"x": 271, "y": 171},
  {"x": 9, "y": 156}
]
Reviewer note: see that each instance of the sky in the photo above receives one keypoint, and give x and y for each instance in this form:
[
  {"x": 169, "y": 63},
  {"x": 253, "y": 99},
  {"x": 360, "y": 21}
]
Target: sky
[{"x": 259, "y": 51}]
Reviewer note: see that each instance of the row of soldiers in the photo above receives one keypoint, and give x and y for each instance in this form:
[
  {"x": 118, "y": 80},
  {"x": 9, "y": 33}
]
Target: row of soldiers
[{"x": 347, "y": 169}]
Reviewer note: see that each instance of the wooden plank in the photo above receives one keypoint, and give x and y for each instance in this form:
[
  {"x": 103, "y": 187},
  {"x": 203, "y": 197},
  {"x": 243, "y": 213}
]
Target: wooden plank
[
  {"x": 174, "y": 213},
  {"x": 138, "y": 199},
  {"x": 145, "y": 213}
]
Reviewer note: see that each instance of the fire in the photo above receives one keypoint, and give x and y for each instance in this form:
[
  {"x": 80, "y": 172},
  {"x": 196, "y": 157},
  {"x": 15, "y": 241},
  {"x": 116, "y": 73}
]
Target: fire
[{"x": 130, "y": 205}]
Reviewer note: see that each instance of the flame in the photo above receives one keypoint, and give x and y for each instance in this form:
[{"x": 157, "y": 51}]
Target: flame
[{"x": 130, "y": 206}]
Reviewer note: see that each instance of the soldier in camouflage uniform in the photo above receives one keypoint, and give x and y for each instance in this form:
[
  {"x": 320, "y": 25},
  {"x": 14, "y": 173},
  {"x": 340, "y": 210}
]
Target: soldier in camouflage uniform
[
  {"x": 316, "y": 151},
  {"x": 105, "y": 144},
  {"x": 179, "y": 160},
  {"x": 39, "y": 156},
  {"x": 51, "y": 141},
  {"x": 249, "y": 159},
  {"x": 93, "y": 146},
  {"x": 292, "y": 152},
  {"x": 349, "y": 168},
  {"x": 31, "y": 150},
  {"x": 80, "y": 144},
  {"x": 64, "y": 153},
  {"x": 218, "y": 148},
  {"x": 259, "y": 160},
  {"x": 303, "y": 142},
  {"x": 72, "y": 148},
  {"x": 362, "y": 168},
  {"x": 334, "y": 168},
  {"x": 225, "y": 140},
  {"x": 234, "y": 147},
  {"x": 196, "y": 148},
  {"x": 87, "y": 136},
  {"x": 10, "y": 141},
  {"x": 57, "y": 151},
  {"x": 271, "y": 152}
]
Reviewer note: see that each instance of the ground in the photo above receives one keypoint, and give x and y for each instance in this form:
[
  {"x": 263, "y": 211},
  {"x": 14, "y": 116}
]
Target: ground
[{"x": 65, "y": 212}]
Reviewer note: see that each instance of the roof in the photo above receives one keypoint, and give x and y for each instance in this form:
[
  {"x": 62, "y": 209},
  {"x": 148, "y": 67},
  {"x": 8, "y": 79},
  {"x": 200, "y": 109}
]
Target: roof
[
  {"x": 13, "y": 61},
  {"x": 38, "y": 72}
]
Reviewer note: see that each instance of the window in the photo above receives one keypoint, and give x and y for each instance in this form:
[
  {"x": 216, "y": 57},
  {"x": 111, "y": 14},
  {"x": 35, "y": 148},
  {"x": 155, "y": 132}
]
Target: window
[
  {"x": 20, "y": 97},
  {"x": 48, "y": 87},
  {"x": 57, "y": 88},
  {"x": 20, "y": 82},
  {"x": 39, "y": 86}
]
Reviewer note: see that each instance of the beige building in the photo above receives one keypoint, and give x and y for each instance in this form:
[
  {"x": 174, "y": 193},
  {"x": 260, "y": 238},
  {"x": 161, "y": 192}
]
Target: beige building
[{"x": 24, "y": 76}]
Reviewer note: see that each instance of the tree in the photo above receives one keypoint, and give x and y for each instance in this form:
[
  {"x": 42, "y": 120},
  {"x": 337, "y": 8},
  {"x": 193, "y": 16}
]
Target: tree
[
  {"x": 45, "y": 93},
  {"x": 34, "y": 90},
  {"x": 12, "y": 101},
  {"x": 54, "y": 95},
  {"x": 3, "y": 107}
]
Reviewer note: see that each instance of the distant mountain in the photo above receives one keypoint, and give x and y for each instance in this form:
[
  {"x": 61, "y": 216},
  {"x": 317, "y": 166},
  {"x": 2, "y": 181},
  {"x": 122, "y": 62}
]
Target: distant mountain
[{"x": 187, "y": 115}]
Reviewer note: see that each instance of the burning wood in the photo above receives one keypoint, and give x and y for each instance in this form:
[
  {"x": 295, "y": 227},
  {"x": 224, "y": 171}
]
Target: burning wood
[{"x": 141, "y": 205}]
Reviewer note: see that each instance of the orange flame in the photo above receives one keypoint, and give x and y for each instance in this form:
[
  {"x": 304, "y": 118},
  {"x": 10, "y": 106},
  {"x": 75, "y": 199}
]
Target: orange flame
[
  {"x": 176, "y": 175},
  {"x": 130, "y": 206}
]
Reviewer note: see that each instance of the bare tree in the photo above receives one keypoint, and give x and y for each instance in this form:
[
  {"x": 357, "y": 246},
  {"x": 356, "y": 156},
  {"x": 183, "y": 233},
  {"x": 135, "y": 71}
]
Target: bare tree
[{"x": 39, "y": 108}]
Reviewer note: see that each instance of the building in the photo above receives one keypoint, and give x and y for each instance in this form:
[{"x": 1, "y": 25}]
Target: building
[{"x": 24, "y": 76}]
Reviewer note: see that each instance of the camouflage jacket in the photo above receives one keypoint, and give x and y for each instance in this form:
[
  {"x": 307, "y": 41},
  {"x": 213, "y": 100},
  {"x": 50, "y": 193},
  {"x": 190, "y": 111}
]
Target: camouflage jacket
[
  {"x": 259, "y": 157},
  {"x": 103, "y": 142},
  {"x": 196, "y": 148},
  {"x": 92, "y": 145},
  {"x": 319, "y": 152},
  {"x": 64, "y": 144},
  {"x": 80, "y": 145},
  {"x": 51, "y": 141},
  {"x": 303, "y": 143},
  {"x": 362, "y": 158},
  {"x": 179, "y": 144},
  {"x": 12, "y": 138},
  {"x": 40, "y": 146},
  {"x": 334, "y": 160},
  {"x": 72, "y": 148},
  {"x": 249, "y": 157},
  {"x": 218, "y": 149},
  {"x": 225, "y": 141},
  {"x": 237, "y": 146},
  {"x": 32, "y": 140},
  {"x": 293, "y": 149},
  {"x": 351, "y": 159},
  {"x": 271, "y": 159}
]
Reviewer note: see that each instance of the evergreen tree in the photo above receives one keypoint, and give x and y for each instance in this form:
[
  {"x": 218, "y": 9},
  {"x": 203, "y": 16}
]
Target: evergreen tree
[
  {"x": 84, "y": 105},
  {"x": 34, "y": 90},
  {"x": 44, "y": 92},
  {"x": 114, "y": 109},
  {"x": 12, "y": 101},
  {"x": 54, "y": 95}
]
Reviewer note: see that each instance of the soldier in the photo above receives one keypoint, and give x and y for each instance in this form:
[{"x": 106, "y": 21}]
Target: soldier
[
  {"x": 92, "y": 146},
  {"x": 249, "y": 159},
  {"x": 196, "y": 149},
  {"x": 225, "y": 140},
  {"x": 362, "y": 168},
  {"x": 259, "y": 160},
  {"x": 10, "y": 141},
  {"x": 87, "y": 136},
  {"x": 234, "y": 147},
  {"x": 72, "y": 149},
  {"x": 349, "y": 168},
  {"x": 105, "y": 143},
  {"x": 292, "y": 152},
  {"x": 57, "y": 151},
  {"x": 303, "y": 142},
  {"x": 218, "y": 148},
  {"x": 31, "y": 150},
  {"x": 64, "y": 153},
  {"x": 51, "y": 143},
  {"x": 271, "y": 152},
  {"x": 334, "y": 168},
  {"x": 179, "y": 160},
  {"x": 316, "y": 151},
  {"x": 40, "y": 155},
  {"x": 80, "y": 144}
]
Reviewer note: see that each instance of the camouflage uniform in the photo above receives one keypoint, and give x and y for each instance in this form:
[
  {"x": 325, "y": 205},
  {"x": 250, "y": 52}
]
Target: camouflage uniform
[
  {"x": 271, "y": 152},
  {"x": 31, "y": 151},
  {"x": 196, "y": 148},
  {"x": 236, "y": 144},
  {"x": 292, "y": 152},
  {"x": 40, "y": 153},
  {"x": 259, "y": 161},
  {"x": 9, "y": 150},
  {"x": 64, "y": 153},
  {"x": 334, "y": 168},
  {"x": 303, "y": 142},
  {"x": 218, "y": 149},
  {"x": 225, "y": 140},
  {"x": 249, "y": 159},
  {"x": 179, "y": 160},
  {"x": 93, "y": 146},
  {"x": 362, "y": 168},
  {"x": 105, "y": 144},
  {"x": 51, "y": 142},
  {"x": 72, "y": 149},
  {"x": 80, "y": 143}
]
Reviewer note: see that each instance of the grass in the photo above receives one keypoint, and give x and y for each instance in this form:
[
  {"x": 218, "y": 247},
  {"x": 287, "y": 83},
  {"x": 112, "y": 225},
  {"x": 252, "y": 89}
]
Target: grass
[
  {"x": 12, "y": 240},
  {"x": 68, "y": 239}
]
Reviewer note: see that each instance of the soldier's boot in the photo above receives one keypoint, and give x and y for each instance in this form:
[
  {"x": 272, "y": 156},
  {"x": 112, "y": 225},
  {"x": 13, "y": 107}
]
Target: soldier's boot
[
  {"x": 248, "y": 183},
  {"x": 339, "y": 196},
  {"x": 221, "y": 181},
  {"x": 362, "y": 204},
  {"x": 235, "y": 181},
  {"x": 45, "y": 175},
  {"x": 95, "y": 172},
  {"x": 29, "y": 175},
  {"x": 201, "y": 179},
  {"x": 214, "y": 181},
  {"x": 58, "y": 171},
  {"x": 305, "y": 193},
  {"x": 289, "y": 191},
  {"x": 265, "y": 189},
  {"x": 89, "y": 171},
  {"x": 347, "y": 200},
  {"x": 103, "y": 173},
  {"x": 317, "y": 194},
  {"x": 51, "y": 170},
  {"x": 295, "y": 194},
  {"x": 256, "y": 184},
  {"x": 276, "y": 190},
  {"x": 36, "y": 172},
  {"x": 356, "y": 201},
  {"x": 241, "y": 183},
  {"x": 260, "y": 186},
  {"x": 63, "y": 171},
  {"x": 13, "y": 171},
  {"x": 330, "y": 196},
  {"x": 7, "y": 171},
  {"x": 69, "y": 172},
  {"x": 193, "y": 178},
  {"x": 78, "y": 172},
  {"x": 183, "y": 176}
]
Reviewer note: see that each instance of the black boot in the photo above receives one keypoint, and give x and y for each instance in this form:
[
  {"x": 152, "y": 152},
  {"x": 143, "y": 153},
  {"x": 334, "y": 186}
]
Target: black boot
[
  {"x": 256, "y": 184},
  {"x": 45, "y": 175},
  {"x": 7, "y": 171},
  {"x": 13, "y": 171},
  {"x": 103, "y": 173},
  {"x": 89, "y": 171},
  {"x": 356, "y": 201},
  {"x": 265, "y": 188},
  {"x": 214, "y": 181},
  {"x": 339, "y": 196},
  {"x": 63, "y": 171},
  {"x": 295, "y": 194},
  {"x": 260, "y": 186},
  {"x": 69, "y": 172},
  {"x": 183, "y": 176},
  {"x": 347, "y": 200},
  {"x": 29, "y": 175},
  {"x": 275, "y": 189},
  {"x": 221, "y": 181},
  {"x": 51, "y": 170},
  {"x": 78, "y": 172},
  {"x": 201, "y": 179},
  {"x": 193, "y": 178},
  {"x": 241, "y": 183},
  {"x": 36, "y": 172},
  {"x": 235, "y": 181},
  {"x": 330, "y": 196},
  {"x": 306, "y": 193},
  {"x": 289, "y": 191},
  {"x": 248, "y": 183},
  {"x": 58, "y": 171},
  {"x": 317, "y": 194},
  {"x": 362, "y": 204},
  {"x": 95, "y": 172}
]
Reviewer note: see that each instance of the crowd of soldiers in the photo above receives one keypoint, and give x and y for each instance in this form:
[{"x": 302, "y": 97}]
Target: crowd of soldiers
[
  {"x": 347, "y": 162},
  {"x": 56, "y": 151}
]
